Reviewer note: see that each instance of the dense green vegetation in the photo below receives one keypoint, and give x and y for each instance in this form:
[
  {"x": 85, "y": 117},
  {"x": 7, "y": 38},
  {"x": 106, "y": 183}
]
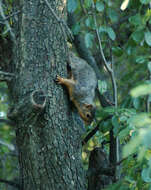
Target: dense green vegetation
[{"x": 118, "y": 34}]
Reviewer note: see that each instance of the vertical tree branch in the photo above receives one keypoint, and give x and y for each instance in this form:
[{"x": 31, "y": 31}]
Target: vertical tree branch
[{"x": 112, "y": 75}]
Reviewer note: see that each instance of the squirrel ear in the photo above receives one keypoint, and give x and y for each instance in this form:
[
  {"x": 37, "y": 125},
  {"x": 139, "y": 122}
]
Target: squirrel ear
[{"x": 89, "y": 106}]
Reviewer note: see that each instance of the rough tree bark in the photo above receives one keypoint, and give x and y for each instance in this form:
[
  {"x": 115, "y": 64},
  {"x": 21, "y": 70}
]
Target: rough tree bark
[{"x": 47, "y": 136}]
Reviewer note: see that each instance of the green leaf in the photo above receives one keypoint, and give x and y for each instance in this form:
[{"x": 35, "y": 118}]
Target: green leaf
[
  {"x": 147, "y": 16},
  {"x": 141, "y": 90},
  {"x": 111, "y": 33},
  {"x": 145, "y": 1},
  {"x": 135, "y": 20},
  {"x": 146, "y": 175},
  {"x": 115, "y": 121},
  {"x": 99, "y": 6},
  {"x": 131, "y": 146},
  {"x": 88, "y": 40},
  {"x": 105, "y": 126},
  {"x": 88, "y": 3},
  {"x": 123, "y": 118},
  {"x": 102, "y": 85},
  {"x": 72, "y": 5},
  {"x": 102, "y": 29},
  {"x": 148, "y": 37},
  {"x": 140, "y": 120},
  {"x": 123, "y": 133},
  {"x": 116, "y": 125},
  {"x": 112, "y": 15},
  {"x": 110, "y": 109},
  {"x": 117, "y": 51},
  {"x": 136, "y": 103},
  {"x": 146, "y": 137},
  {"x": 124, "y": 5},
  {"x": 90, "y": 23},
  {"x": 149, "y": 97},
  {"x": 138, "y": 35},
  {"x": 141, "y": 59},
  {"x": 76, "y": 29},
  {"x": 149, "y": 66}
]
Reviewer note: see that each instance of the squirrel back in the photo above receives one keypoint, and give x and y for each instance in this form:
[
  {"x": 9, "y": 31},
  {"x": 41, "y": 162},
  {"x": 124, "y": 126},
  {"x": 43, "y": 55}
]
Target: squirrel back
[
  {"x": 81, "y": 86},
  {"x": 84, "y": 88},
  {"x": 85, "y": 78}
]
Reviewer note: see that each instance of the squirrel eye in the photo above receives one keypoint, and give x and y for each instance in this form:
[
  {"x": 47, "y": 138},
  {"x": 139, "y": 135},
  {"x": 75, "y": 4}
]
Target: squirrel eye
[{"x": 88, "y": 115}]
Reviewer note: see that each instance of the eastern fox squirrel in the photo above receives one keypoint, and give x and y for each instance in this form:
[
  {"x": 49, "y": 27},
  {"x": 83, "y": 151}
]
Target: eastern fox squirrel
[{"x": 81, "y": 87}]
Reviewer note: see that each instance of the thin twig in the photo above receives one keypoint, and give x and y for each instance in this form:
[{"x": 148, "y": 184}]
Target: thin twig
[
  {"x": 82, "y": 7},
  {"x": 10, "y": 183},
  {"x": 6, "y": 73},
  {"x": 148, "y": 103},
  {"x": 6, "y": 121},
  {"x": 11, "y": 15},
  {"x": 5, "y": 76},
  {"x": 108, "y": 68},
  {"x": 6, "y": 22},
  {"x": 92, "y": 133},
  {"x": 61, "y": 21},
  {"x": 111, "y": 73}
]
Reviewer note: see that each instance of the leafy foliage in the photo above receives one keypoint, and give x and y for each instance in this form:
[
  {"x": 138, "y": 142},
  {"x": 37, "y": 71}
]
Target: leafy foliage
[
  {"x": 125, "y": 32},
  {"x": 8, "y": 154}
]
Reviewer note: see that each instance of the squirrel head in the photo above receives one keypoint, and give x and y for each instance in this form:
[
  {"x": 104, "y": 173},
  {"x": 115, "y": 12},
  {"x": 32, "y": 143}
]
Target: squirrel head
[{"x": 87, "y": 113}]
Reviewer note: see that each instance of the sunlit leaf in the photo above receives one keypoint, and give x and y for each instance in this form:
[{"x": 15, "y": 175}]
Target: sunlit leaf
[
  {"x": 124, "y": 5},
  {"x": 102, "y": 85},
  {"x": 140, "y": 120},
  {"x": 132, "y": 146},
  {"x": 141, "y": 90}
]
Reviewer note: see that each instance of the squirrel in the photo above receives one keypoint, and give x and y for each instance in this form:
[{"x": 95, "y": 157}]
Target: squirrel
[{"x": 81, "y": 87}]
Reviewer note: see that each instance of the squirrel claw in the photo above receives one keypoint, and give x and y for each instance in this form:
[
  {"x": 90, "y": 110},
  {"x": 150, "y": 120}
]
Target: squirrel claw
[{"x": 58, "y": 79}]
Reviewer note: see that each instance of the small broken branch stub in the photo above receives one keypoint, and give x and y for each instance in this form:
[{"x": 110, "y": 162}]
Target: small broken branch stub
[{"x": 38, "y": 99}]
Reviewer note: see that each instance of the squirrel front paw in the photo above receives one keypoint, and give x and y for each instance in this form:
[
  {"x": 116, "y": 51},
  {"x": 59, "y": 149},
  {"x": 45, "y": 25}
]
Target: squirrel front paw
[{"x": 58, "y": 79}]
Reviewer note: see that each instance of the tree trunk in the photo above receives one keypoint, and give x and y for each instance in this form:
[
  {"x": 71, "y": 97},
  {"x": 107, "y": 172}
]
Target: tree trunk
[{"x": 47, "y": 136}]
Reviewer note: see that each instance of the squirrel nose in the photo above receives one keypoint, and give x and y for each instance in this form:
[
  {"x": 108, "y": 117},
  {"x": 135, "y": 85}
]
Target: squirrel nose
[{"x": 87, "y": 122}]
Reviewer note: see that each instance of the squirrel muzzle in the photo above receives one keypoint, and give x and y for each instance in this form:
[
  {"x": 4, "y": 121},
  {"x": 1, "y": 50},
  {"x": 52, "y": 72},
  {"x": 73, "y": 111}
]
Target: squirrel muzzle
[{"x": 87, "y": 113}]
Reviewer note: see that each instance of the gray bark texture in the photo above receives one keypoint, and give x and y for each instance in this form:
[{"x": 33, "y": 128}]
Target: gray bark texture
[{"x": 48, "y": 137}]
